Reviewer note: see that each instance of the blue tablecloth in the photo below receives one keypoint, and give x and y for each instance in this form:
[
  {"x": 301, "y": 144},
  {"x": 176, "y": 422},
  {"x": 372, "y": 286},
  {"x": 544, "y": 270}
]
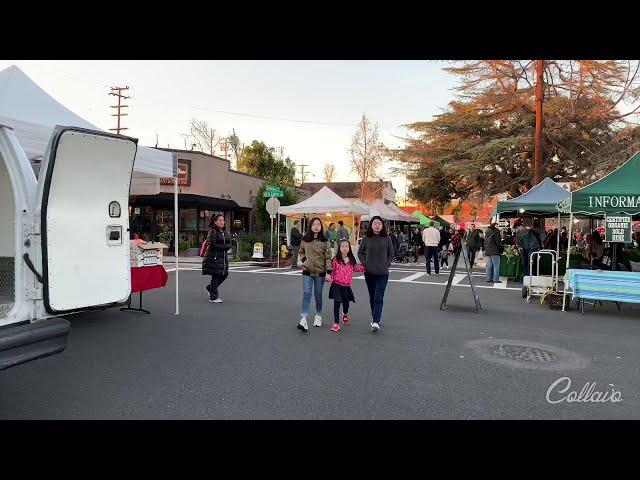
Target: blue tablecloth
[{"x": 604, "y": 285}]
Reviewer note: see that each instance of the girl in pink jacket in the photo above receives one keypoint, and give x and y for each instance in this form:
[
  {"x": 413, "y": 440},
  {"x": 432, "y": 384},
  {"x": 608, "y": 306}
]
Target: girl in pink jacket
[{"x": 344, "y": 264}]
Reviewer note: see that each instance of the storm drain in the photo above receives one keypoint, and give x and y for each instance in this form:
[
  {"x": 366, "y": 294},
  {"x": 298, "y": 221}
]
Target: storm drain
[{"x": 522, "y": 354}]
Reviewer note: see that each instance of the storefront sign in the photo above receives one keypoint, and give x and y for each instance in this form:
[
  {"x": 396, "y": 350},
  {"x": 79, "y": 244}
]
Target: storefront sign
[
  {"x": 503, "y": 223},
  {"x": 617, "y": 229},
  {"x": 184, "y": 174}
]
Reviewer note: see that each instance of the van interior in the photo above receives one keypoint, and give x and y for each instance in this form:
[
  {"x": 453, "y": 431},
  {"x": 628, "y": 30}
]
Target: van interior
[{"x": 7, "y": 242}]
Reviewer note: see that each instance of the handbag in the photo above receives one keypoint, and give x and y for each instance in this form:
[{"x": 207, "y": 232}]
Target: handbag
[{"x": 204, "y": 247}]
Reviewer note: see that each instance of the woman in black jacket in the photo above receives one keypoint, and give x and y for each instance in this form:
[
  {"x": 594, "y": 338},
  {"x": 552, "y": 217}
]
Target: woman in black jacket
[{"x": 215, "y": 261}]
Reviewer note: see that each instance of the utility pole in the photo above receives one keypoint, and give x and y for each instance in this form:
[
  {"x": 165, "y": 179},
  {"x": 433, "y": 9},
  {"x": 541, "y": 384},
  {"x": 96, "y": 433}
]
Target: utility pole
[
  {"x": 302, "y": 173},
  {"x": 537, "y": 152},
  {"x": 120, "y": 96}
]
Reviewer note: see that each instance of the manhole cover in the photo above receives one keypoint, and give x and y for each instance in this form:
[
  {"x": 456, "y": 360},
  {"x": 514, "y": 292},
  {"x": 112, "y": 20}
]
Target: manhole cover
[{"x": 522, "y": 353}]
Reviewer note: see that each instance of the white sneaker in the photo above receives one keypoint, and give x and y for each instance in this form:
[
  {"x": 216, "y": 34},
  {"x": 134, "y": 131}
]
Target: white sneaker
[
  {"x": 303, "y": 324},
  {"x": 375, "y": 327},
  {"x": 317, "y": 322},
  {"x": 217, "y": 300}
]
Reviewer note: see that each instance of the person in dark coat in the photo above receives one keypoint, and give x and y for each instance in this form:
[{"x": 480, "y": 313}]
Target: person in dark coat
[
  {"x": 493, "y": 248},
  {"x": 296, "y": 238},
  {"x": 215, "y": 261}
]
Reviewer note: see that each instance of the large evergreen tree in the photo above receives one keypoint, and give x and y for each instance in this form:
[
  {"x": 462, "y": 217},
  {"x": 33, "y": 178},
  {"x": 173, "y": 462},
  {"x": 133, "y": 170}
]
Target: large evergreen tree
[{"x": 484, "y": 141}]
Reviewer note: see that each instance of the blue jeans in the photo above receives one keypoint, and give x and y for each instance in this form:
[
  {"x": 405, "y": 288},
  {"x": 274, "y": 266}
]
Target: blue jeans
[
  {"x": 493, "y": 268},
  {"x": 376, "y": 284},
  {"x": 309, "y": 283}
]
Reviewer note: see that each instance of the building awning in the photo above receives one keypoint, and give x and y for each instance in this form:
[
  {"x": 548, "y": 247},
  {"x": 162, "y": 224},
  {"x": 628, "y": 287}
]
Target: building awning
[{"x": 186, "y": 200}]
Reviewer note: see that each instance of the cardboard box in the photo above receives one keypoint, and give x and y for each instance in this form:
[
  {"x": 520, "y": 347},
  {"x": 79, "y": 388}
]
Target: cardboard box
[{"x": 146, "y": 254}]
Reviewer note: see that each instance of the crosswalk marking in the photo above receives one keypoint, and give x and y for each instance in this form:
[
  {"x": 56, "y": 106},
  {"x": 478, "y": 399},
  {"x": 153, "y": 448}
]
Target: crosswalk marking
[
  {"x": 502, "y": 285},
  {"x": 415, "y": 276}
]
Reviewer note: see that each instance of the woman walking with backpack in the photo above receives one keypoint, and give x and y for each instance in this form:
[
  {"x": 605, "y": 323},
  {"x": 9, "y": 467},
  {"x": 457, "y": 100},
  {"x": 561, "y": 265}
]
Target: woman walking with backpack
[
  {"x": 376, "y": 255},
  {"x": 215, "y": 261}
]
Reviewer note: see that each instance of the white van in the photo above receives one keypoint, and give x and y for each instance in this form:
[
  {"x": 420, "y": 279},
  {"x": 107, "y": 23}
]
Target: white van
[{"x": 64, "y": 236}]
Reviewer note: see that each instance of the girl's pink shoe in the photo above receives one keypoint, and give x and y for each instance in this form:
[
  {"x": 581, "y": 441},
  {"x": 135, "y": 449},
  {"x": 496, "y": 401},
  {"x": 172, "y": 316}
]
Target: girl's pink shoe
[
  {"x": 345, "y": 319},
  {"x": 336, "y": 327}
]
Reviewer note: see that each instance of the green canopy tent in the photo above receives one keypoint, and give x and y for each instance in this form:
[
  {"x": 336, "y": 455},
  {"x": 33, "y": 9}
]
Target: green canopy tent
[
  {"x": 540, "y": 201},
  {"x": 441, "y": 221},
  {"x": 617, "y": 193},
  {"x": 424, "y": 220}
]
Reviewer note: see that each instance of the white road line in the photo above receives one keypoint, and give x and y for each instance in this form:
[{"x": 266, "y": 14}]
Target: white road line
[
  {"x": 361, "y": 277},
  {"x": 457, "y": 278},
  {"x": 502, "y": 285},
  {"x": 266, "y": 270},
  {"x": 410, "y": 278}
]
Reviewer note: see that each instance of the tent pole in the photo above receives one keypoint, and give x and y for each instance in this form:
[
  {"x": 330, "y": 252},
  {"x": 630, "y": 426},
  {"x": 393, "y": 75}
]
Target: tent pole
[
  {"x": 353, "y": 226},
  {"x": 176, "y": 219},
  {"x": 558, "y": 254},
  {"x": 564, "y": 290}
]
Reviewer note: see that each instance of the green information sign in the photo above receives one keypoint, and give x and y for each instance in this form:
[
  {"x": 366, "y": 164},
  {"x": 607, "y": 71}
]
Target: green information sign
[
  {"x": 272, "y": 191},
  {"x": 617, "y": 228}
]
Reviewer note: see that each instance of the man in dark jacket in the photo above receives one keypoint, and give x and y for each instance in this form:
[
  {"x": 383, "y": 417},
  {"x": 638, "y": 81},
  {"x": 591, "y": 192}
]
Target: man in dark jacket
[
  {"x": 296, "y": 238},
  {"x": 493, "y": 249},
  {"x": 473, "y": 243},
  {"x": 215, "y": 261}
]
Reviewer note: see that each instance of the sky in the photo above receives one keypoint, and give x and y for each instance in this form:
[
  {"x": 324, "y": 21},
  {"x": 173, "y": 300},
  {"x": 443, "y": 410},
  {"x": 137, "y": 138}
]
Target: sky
[{"x": 166, "y": 95}]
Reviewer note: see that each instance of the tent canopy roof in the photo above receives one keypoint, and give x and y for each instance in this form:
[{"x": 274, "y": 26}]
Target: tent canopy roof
[
  {"x": 616, "y": 193},
  {"x": 383, "y": 210},
  {"x": 33, "y": 114},
  {"x": 324, "y": 200},
  {"x": 405, "y": 216},
  {"x": 540, "y": 200}
]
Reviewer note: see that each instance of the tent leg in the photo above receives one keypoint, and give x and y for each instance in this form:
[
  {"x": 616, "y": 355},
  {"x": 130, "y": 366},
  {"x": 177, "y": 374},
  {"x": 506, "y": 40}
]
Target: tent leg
[
  {"x": 353, "y": 225},
  {"x": 564, "y": 290},
  {"x": 176, "y": 219},
  {"x": 558, "y": 256}
]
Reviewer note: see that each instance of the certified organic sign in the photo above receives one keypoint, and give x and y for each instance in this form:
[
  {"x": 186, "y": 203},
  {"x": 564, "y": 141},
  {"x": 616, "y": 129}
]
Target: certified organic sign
[{"x": 617, "y": 229}]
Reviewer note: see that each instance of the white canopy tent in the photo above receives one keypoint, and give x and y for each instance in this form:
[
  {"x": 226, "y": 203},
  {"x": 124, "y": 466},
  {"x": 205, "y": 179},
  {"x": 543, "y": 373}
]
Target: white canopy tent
[
  {"x": 33, "y": 114},
  {"x": 324, "y": 201},
  {"x": 406, "y": 217},
  {"x": 383, "y": 210}
]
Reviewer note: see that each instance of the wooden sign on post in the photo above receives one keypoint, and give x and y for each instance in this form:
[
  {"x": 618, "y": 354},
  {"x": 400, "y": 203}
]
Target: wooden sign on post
[{"x": 469, "y": 271}]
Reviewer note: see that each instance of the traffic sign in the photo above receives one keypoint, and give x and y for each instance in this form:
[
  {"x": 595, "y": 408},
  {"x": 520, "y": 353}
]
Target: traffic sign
[{"x": 273, "y": 204}]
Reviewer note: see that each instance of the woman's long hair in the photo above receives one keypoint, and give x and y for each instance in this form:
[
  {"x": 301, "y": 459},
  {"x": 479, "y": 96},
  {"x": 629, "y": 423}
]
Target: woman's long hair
[
  {"x": 369, "y": 232},
  {"x": 212, "y": 222},
  {"x": 308, "y": 236},
  {"x": 339, "y": 256}
]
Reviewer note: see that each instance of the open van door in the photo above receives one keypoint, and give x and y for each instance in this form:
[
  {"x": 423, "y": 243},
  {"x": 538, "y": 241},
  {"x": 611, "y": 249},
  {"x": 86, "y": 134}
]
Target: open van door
[{"x": 82, "y": 211}]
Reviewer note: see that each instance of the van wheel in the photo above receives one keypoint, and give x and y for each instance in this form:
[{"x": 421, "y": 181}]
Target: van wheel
[{"x": 525, "y": 292}]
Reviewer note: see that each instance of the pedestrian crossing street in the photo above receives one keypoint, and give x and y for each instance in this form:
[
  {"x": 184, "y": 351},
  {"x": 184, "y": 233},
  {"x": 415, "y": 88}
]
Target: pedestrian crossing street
[{"x": 404, "y": 274}]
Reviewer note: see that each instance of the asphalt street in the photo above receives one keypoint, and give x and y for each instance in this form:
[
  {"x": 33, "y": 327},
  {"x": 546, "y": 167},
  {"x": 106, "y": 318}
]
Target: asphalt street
[{"x": 244, "y": 359}]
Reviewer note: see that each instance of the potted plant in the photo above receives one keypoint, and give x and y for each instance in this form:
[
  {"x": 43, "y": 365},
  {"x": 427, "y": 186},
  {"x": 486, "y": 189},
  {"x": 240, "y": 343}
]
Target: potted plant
[
  {"x": 166, "y": 237},
  {"x": 183, "y": 245}
]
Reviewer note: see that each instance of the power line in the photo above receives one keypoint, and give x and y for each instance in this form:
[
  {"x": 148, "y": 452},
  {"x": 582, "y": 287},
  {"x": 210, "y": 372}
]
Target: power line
[{"x": 275, "y": 118}]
